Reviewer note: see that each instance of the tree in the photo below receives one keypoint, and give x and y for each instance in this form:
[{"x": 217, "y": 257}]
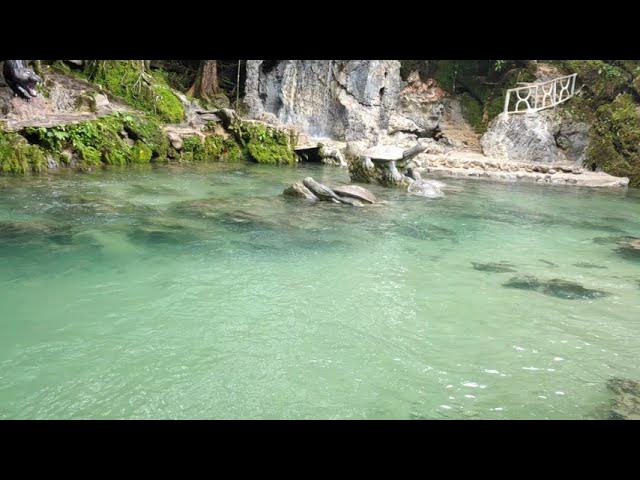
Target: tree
[{"x": 205, "y": 85}]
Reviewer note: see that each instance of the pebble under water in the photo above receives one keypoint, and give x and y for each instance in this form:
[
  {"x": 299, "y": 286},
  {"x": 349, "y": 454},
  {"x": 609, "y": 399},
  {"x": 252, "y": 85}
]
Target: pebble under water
[{"x": 200, "y": 292}]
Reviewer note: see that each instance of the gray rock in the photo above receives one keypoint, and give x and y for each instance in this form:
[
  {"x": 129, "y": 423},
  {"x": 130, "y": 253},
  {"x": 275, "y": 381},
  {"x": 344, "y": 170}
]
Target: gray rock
[
  {"x": 357, "y": 192},
  {"x": 319, "y": 190},
  {"x": 350, "y": 100},
  {"x": 548, "y": 136},
  {"x": 300, "y": 191}
]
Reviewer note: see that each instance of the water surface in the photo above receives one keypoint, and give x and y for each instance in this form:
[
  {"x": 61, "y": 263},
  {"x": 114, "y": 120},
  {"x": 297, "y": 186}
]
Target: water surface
[{"x": 200, "y": 292}]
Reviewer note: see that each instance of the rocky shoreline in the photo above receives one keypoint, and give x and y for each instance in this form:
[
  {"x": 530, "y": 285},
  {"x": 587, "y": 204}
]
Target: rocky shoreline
[{"x": 474, "y": 165}]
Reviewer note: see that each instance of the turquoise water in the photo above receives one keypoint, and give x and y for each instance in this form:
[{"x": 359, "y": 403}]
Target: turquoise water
[{"x": 200, "y": 292}]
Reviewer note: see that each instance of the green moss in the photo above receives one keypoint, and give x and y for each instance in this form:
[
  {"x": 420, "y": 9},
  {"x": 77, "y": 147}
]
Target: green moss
[
  {"x": 603, "y": 80},
  {"x": 148, "y": 131},
  {"x": 127, "y": 79},
  {"x": 264, "y": 144},
  {"x": 472, "y": 111},
  {"x": 116, "y": 139},
  {"x": 614, "y": 145},
  {"x": 18, "y": 156}
]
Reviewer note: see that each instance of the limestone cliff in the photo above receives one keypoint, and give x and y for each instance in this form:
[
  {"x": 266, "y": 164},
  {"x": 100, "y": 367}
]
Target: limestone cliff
[{"x": 345, "y": 100}]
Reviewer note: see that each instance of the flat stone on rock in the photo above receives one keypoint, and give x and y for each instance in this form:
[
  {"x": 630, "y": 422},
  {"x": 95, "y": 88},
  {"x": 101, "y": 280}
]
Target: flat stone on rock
[
  {"x": 384, "y": 152},
  {"x": 357, "y": 192}
]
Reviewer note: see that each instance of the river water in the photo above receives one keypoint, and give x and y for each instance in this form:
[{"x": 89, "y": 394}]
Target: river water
[{"x": 200, "y": 292}]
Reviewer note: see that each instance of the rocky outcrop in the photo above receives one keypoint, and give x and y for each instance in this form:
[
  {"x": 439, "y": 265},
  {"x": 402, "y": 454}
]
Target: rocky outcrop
[
  {"x": 420, "y": 108},
  {"x": 546, "y": 137},
  {"x": 311, "y": 190},
  {"x": 475, "y": 165},
  {"x": 339, "y": 99}
]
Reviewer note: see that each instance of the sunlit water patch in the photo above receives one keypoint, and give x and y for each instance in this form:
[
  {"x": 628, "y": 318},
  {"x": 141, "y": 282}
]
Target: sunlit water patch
[{"x": 200, "y": 292}]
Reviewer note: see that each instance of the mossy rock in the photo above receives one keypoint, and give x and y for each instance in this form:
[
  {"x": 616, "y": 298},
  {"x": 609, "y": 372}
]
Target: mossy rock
[
  {"x": 129, "y": 80},
  {"x": 18, "y": 156},
  {"x": 211, "y": 148},
  {"x": 264, "y": 144},
  {"x": 116, "y": 139},
  {"x": 614, "y": 145}
]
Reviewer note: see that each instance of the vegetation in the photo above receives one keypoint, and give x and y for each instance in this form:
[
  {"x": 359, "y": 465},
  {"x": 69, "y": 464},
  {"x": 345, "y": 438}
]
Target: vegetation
[
  {"x": 609, "y": 102},
  {"x": 132, "y": 81},
  {"x": 116, "y": 139}
]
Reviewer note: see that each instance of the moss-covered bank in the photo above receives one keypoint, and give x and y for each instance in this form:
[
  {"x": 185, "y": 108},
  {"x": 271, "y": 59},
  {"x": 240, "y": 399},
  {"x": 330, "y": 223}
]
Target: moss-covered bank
[
  {"x": 610, "y": 102},
  {"x": 142, "y": 89},
  {"x": 262, "y": 143},
  {"x": 116, "y": 139}
]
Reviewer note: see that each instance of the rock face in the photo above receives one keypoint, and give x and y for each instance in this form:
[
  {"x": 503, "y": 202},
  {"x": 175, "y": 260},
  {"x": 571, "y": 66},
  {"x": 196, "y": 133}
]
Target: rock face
[
  {"x": 547, "y": 136},
  {"x": 339, "y": 99},
  {"x": 419, "y": 110}
]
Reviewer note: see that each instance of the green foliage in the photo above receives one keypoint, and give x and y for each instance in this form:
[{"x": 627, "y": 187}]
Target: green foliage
[
  {"x": 103, "y": 141},
  {"x": 128, "y": 80},
  {"x": 615, "y": 139},
  {"x": 214, "y": 147},
  {"x": 602, "y": 80},
  {"x": 482, "y": 85},
  {"x": 472, "y": 111}
]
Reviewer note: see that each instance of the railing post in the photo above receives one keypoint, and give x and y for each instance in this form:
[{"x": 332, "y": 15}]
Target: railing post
[{"x": 506, "y": 104}]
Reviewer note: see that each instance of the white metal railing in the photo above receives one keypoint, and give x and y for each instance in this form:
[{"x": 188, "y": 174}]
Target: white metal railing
[{"x": 533, "y": 97}]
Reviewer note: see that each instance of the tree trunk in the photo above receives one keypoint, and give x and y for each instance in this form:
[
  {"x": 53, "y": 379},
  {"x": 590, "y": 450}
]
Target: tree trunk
[{"x": 206, "y": 83}]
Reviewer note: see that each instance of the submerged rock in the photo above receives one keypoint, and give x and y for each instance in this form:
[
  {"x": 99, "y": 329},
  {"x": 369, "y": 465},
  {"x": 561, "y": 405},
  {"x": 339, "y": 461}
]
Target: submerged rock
[
  {"x": 426, "y": 188},
  {"x": 555, "y": 288},
  {"x": 523, "y": 282},
  {"x": 629, "y": 248},
  {"x": 425, "y": 231},
  {"x": 626, "y": 404},
  {"x": 497, "y": 267},
  {"x": 28, "y": 231},
  {"x": 547, "y": 262},
  {"x": 588, "y": 265}
]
